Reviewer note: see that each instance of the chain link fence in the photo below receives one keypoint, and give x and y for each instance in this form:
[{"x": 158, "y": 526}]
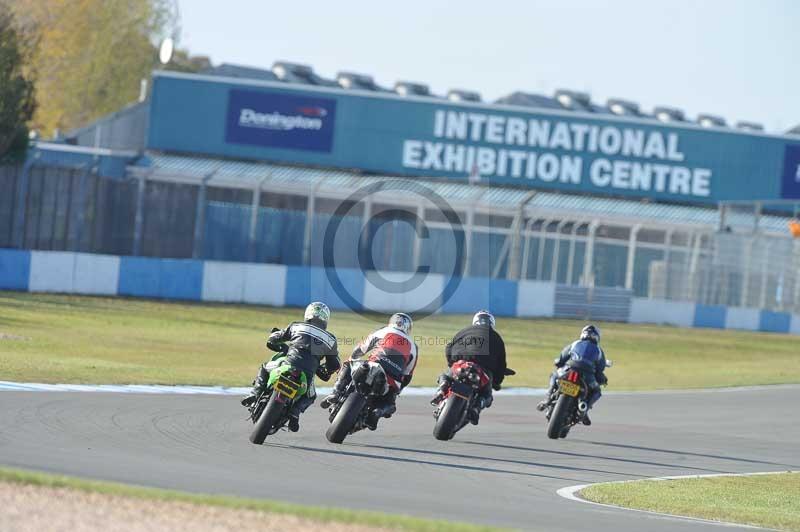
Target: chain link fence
[{"x": 73, "y": 209}]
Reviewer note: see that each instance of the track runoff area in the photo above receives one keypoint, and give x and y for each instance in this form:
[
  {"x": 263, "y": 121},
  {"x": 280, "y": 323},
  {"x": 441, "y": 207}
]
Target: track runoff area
[{"x": 504, "y": 472}]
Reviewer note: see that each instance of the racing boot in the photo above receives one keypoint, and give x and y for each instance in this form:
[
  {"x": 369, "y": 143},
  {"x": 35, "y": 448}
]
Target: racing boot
[
  {"x": 474, "y": 413},
  {"x": 444, "y": 381},
  {"x": 258, "y": 387},
  {"x": 589, "y": 404},
  {"x": 548, "y": 398},
  {"x": 385, "y": 410},
  {"x": 342, "y": 380},
  {"x": 298, "y": 408}
]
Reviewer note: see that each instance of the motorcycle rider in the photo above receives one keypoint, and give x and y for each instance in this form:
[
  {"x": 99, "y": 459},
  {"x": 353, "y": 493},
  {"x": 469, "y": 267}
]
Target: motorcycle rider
[
  {"x": 584, "y": 354},
  {"x": 394, "y": 349},
  {"x": 482, "y": 344},
  {"x": 303, "y": 344}
]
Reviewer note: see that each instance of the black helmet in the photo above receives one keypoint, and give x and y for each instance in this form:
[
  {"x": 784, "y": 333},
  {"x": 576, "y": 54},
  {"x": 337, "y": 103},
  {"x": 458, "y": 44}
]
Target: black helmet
[
  {"x": 591, "y": 333},
  {"x": 483, "y": 317}
]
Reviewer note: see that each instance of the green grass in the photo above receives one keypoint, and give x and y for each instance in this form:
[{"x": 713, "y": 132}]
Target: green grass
[
  {"x": 314, "y": 513},
  {"x": 73, "y": 339},
  {"x": 771, "y": 501}
]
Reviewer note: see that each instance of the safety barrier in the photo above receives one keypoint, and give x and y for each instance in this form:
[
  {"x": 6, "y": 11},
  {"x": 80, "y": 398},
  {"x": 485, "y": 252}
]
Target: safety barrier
[{"x": 279, "y": 285}]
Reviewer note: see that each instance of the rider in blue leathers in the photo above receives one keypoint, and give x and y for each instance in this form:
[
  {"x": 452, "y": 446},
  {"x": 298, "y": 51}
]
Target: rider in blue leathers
[{"x": 587, "y": 356}]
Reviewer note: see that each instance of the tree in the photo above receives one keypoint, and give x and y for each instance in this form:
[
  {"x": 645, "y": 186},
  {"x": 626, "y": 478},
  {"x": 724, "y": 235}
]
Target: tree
[
  {"x": 16, "y": 90},
  {"x": 91, "y": 55}
]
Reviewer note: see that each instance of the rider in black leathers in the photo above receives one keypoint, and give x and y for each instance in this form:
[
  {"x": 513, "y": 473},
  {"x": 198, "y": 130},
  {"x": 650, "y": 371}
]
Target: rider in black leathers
[
  {"x": 305, "y": 344},
  {"x": 586, "y": 355},
  {"x": 479, "y": 343}
]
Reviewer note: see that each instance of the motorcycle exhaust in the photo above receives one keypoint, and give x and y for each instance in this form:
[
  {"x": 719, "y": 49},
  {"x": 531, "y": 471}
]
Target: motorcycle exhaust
[{"x": 583, "y": 406}]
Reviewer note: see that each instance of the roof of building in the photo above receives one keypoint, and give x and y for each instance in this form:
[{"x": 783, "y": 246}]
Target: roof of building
[
  {"x": 341, "y": 183},
  {"x": 562, "y": 99}
]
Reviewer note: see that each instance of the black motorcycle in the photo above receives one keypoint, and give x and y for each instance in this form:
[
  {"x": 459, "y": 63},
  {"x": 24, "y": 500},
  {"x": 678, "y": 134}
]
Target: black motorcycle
[
  {"x": 350, "y": 413},
  {"x": 568, "y": 402}
]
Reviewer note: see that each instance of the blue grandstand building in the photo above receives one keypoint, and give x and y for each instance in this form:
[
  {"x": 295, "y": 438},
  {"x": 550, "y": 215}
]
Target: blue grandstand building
[{"x": 603, "y": 210}]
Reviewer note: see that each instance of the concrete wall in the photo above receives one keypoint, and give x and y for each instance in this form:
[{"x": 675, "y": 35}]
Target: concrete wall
[{"x": 278, "y": 285}]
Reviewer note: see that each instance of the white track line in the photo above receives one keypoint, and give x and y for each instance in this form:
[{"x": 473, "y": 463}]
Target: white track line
[
  {"x": 204, "y": 390},
  {"x": 8, "y": 386},
  {"x": 571, "y": 493}
]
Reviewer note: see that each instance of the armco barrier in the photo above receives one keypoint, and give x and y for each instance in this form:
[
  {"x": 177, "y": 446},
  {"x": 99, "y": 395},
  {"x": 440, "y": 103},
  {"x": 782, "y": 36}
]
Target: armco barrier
[
  {"x": 779, "y": 322},
  {"x": 795, "y": 327},
  {"x": 742, "y": 318},
  {"x": 471, "y": 293},
  {"x": 662, "y": 311},
  {"x": 15, "y": 269},
  {"x": 276, "y": 285},
  {"x": 236, "y": 282},
  {"x": 536, "y": 298},
  {"x": 712, "y": 316}
]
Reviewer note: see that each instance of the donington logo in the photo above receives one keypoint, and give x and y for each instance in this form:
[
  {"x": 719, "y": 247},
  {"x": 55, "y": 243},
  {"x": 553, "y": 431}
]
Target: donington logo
[
  {"x": 307, "y": 118},
  {"x": 279, "y": 120}
]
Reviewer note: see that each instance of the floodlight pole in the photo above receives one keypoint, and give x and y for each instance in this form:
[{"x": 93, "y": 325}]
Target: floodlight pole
[
  {"x": 138, "y": 225},
  {"x": 417, "y": 252},
  {"x": 21, "y": 203},
  {"x": 526, "y": 248},
  {"x": 200, "y": 216},
  {"x": 254, "y": 206},
  {"x": 308, "y": 230},
  {"x": 516, "y": 233},
  {"x": 631, "y": 257},
  {"x": 557, "y": 251},
  {"x": 588, "y": 258},
  {"x": 571, "y": 255}
]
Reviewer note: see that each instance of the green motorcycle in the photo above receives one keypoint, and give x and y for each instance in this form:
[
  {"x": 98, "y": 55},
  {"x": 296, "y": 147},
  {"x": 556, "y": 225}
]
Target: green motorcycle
[{"x": 270, "y": 411}]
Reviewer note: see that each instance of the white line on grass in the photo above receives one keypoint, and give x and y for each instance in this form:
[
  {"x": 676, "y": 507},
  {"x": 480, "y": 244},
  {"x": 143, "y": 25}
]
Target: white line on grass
[{"x": 571, "y": 493}]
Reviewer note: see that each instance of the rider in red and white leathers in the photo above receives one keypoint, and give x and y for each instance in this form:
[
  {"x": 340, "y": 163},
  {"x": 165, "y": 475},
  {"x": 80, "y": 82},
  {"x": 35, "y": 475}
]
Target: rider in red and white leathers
[{"x": 393, "y": 348}]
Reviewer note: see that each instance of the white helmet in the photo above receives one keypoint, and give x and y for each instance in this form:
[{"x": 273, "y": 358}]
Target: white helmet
[
  {"x": 318, "y": 312},
  {"x": 401, "y": 322},
  {"x": 483, "y": 317}
]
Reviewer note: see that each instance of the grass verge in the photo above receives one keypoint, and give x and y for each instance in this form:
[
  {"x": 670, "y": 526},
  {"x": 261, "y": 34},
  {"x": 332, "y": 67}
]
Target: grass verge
[
  {"x": 771, "y": 501},
  {"x": 74, "y": 339},
  {"x": 314, "y": 513}
]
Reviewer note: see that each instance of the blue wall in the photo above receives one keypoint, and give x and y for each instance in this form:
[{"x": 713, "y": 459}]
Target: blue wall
[
  {"x": 279, "y": 285},
  {"x": 410, "y": 136}
]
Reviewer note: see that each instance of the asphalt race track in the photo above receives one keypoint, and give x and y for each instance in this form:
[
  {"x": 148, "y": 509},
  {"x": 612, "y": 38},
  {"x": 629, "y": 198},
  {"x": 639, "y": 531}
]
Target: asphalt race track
[{"x": 504, "y": 472}]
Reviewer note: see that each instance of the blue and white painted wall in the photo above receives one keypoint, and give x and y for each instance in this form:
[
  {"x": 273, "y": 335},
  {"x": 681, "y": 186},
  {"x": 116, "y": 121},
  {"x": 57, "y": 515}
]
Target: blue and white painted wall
[{"x": 278, "y": 285}]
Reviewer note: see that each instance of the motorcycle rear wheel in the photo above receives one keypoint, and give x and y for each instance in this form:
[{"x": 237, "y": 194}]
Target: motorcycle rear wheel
[
  {"x": 271, "y": 415},
  {"x": 346, "y": 418},
  {"x": 558, "y": 419},
  {"x": 449, "y": 418}
]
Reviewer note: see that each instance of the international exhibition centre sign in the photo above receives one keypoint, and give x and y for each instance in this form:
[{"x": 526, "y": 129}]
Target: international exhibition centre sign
[{"x": 388, "y": 134}]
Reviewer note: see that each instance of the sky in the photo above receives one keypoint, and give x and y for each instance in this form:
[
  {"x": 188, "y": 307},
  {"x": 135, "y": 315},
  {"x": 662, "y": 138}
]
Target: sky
[{"x": 739, "y": 59}]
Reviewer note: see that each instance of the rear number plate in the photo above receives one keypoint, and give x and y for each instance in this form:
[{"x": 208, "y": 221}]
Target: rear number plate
[
  {"x": 286, "y": 387},
  {"x": 569, "y": 388}
]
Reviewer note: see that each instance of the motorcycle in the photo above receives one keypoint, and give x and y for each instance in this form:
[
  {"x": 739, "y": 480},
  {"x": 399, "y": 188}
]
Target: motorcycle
[
  {"x": 452, "y": 412},
  {"x": 568, "y": 403},
  {"x": 270, "y": 411},
  {"x": 350, "y": 412}
]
